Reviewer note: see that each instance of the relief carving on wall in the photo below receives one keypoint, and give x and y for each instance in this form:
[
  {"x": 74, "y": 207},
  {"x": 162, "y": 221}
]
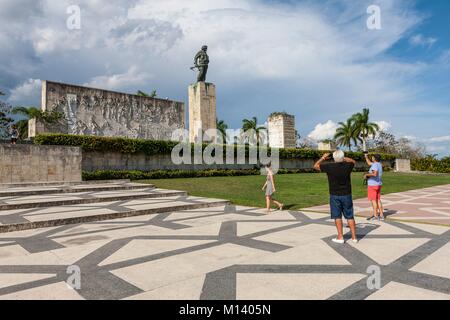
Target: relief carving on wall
[{"x": 97, "y": 112}]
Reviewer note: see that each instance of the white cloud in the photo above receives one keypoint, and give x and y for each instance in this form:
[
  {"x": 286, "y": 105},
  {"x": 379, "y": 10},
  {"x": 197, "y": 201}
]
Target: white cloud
[
  {"x": 440, "y": 139},
  {"x": 324, "y": 131},
  {"x": 420, "y": 40},
  {"x": 132, "y": 77},
  {"x": 26, "y": 93},
  {"x": 384, "y": 125},
  {"x": 437, "y": 149},
  {"x": 409, "y": 137}
]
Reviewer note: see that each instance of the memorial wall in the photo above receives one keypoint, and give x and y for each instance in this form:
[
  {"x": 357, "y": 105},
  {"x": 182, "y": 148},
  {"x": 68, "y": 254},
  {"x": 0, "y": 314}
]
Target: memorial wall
[{"x": 89, "y": 111}]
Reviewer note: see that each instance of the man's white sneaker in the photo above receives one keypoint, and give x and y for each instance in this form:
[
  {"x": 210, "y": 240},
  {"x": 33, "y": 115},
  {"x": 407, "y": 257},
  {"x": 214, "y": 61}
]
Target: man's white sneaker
[
  {"x": 336, "y": 240},
  {"x": 355, "y": 240}
]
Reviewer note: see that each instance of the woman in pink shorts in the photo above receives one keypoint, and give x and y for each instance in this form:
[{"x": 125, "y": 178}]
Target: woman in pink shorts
[{"x": 374, "y": 185}]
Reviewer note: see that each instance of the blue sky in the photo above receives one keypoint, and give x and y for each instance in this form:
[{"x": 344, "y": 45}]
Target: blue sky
[{"x": 314, "y": 59}]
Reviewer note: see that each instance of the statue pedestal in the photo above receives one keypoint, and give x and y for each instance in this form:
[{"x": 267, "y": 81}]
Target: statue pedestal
[
  {"x": 281, "y": 129},
  {"x": 202, "y": 111}
]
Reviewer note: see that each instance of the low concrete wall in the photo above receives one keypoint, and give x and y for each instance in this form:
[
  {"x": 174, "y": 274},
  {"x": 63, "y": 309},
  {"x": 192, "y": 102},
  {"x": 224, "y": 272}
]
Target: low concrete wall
[
  {"x": 93, "y": 161},
  {"x": 33, "y": 163}
]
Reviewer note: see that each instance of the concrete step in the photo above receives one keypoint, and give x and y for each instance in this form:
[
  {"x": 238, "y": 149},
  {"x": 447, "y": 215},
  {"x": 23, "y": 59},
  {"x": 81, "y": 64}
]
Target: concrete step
[
  {"x": 64, "y": 199},
  {"x": 39, "y": 217},
  {"x": 43, "y": 190},
  {"x": 59, "y": 183}
]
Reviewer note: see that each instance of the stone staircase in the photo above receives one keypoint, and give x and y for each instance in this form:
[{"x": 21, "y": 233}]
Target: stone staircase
[{"x": 30, "y": 206}]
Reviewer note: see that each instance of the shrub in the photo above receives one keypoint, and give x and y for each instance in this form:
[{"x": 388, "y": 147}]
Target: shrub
[
  {"x": 430, "y": 163},
  {"x": 154, "y": 147},
  {"x": 164, "y": 174},
  {"x": 103, "y": 144},
  {"x": 172, "y": 174}
]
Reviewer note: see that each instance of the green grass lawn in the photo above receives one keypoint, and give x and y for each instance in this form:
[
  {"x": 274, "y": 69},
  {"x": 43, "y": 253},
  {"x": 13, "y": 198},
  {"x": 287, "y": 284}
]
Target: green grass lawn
[{"x": 294, "y": 190}]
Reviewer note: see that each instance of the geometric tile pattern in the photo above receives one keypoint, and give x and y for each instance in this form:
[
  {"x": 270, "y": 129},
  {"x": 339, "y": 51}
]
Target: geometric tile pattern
[
  {"x": 97, "y": 206},
  {"x": 429, "y": 205},
  {"x": 224, "y": 252}
]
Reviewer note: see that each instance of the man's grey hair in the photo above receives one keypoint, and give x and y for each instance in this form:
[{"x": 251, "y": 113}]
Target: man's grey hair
[{"x": 338, "y": 156}]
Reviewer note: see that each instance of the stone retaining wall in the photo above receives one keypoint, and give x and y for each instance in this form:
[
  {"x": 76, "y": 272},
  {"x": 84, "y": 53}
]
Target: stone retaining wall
[
  {"x": 32, "y": 163},
  {"x": 93, "y": 161}
]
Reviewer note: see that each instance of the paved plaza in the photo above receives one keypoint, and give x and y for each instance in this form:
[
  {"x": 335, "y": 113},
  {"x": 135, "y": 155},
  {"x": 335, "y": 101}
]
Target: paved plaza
[
  {"x": 429, "y": 205},
  {"x": 224, "y": 252}
]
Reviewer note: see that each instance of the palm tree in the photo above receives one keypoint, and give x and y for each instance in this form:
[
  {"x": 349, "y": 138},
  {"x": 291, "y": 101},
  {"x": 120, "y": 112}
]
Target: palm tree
[
  {"x": 346, "y": 134},
  {"x": 363, "y": 127},
  {"x": 253, "y": 125},
  {"x": 222, "y": 128},
  {"x": 46, "y": 117},
  {"x": 29, "y": 113}
]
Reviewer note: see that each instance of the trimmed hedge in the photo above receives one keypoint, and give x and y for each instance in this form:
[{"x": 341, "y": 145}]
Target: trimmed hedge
[
  {"x": 431, "y": 164},
  {"x": 316, "y": 154},
  {"x": 103, "y": 144},
  {"x": 172, "y": 174},
  {"x": 154, "y": 147}
]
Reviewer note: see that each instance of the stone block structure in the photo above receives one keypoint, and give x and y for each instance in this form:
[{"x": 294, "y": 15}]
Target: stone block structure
[
  {"x": 89, "y": 111},
  {"x": 281, "y": 130},
  {"x": 35, "y": 163},
  {"x": 403, "y": 165},
  {"x": 202, "y": 110},
  {"x": 326, "y": 146}
]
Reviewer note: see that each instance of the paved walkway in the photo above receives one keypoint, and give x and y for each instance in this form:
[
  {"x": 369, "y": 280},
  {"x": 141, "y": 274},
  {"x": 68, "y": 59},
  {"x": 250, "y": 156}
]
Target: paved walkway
[
  {"x": 430, "y": 205},
  {"x": 225, "y": 253}
]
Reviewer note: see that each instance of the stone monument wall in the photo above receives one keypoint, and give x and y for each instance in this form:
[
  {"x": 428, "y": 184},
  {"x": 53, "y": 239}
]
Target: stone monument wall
[
  {"x": 99, "y": 112},
  {"x": 403, "y": 165},
  {"x": 33, "y": 163},
  {"x": 326, "y": 146},
  {"x": 281, "y": 130}
]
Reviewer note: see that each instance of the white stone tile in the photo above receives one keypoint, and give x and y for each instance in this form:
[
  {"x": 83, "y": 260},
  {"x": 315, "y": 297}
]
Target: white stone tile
[
  {"x": 55, "y": 291},
  {"x": 300, "y": 235},
  {"x": 11, "y": 279},
  {"x": 154, "y": 274},
  {"x": 398, "y": 291},
  {"x": 386, "y": 251},
  {"x": 434, "y": 229},
  {"x": 12, "y": 251},
  {"x": 246, "y": 228},
  {"x": 315, "y": 215},
  {"x": 142, "y": 248},
  {"x": 292, "y": 286},
  {"x": 437, "y": 264},
  {"x": 190, "y": 289},
  {"x": 387, "y": 229},
  {"x": 313, "y": 253}
]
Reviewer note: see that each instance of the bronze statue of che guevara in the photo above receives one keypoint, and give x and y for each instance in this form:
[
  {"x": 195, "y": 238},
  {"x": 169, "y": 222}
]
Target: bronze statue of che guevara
[{"x": 201, "y": 62}]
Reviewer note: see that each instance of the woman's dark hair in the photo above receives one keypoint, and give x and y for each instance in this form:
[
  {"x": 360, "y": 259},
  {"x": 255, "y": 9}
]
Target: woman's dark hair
[
  {"x": 377, "y": 157},
  {"x": 268, "y": 165}
]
